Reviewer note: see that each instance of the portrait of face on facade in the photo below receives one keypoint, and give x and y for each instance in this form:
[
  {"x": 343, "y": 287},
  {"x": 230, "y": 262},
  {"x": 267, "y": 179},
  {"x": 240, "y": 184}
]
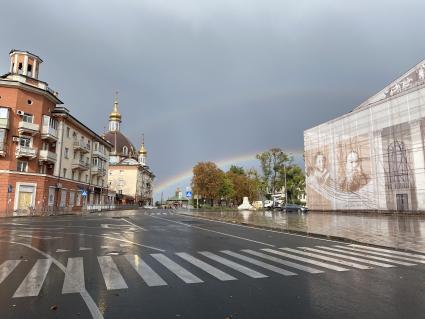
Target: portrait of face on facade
[
  {"x": 317, "y": 162},
  {"x": 354, "y": 164}
]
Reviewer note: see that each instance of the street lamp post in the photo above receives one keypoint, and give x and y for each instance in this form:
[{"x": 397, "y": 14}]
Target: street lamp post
[{"x": 286, "y": 189}]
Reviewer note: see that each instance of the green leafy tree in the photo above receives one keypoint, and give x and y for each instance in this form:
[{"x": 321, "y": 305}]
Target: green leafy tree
[
  {"x": 207, "y": 181},
  {"x": 272, "y": 163},
  {"x": 295, "y": 180}
]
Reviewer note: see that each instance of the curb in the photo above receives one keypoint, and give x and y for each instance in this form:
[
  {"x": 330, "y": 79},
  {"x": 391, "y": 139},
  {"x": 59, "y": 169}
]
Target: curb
[{"x": 298, "y": 232}]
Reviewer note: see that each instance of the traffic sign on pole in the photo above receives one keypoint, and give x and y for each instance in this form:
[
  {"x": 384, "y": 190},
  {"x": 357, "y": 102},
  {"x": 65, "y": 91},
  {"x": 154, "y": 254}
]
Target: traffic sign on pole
[{"x": 189, "y": 194}]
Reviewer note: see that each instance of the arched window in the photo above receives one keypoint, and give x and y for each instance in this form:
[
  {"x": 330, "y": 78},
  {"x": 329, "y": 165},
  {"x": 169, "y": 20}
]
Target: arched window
[
  {"x": 125, "y": 150},
  {"x": 398, "y": 165},
  {"x": 74, "y": 136}
]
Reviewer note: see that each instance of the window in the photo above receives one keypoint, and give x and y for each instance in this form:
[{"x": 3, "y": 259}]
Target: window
[
  {"x": 125, "y": 150},
  {"x": 24, "y": 141},
  {"x": 73, "y": 174},
  {"x": 44, "y": 146},
  {"x": 87, "y": 178},
  {"x": 29, "y": 70},
  {"x": 66, "y": 152},
  {"x": 20, "y": 68},
  {"x": 29, "y": 102},
  {"x": 2, "y": 139},
  {"x": 29, "y": 118},
  {"x": 68, "y": 130},
  {"x": 64, "y": 172},
  {"x": 22, "y": 166},
  {"x": 71, "y": 199},
  {"x": 79, "y": 176},
  {"x": 398, "y": 165}
]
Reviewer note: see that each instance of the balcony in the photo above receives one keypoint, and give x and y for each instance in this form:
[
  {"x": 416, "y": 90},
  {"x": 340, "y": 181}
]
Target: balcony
[
  {"x": 49, "y": 133},
  {"x": 25, "y": 151},
  {"x": 96, "y": 170},
  {"x": 81, "y": 146},
  {"x": 30, "y": 128},
  {"x": 97, "y": 153},
  {"x": 79, "y": 164},
  {"x": 47, "y": 156}
]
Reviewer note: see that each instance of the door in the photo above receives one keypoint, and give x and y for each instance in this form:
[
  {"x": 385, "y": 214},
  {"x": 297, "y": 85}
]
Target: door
[
  {"x": 402, "y": 202},
  {"x": 25, "y": 198}
]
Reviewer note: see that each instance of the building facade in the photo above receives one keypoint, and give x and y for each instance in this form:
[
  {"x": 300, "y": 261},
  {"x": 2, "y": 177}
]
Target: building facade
[
  {"x": 128, "y": 174},
  {"x": 49, "y": 160},
  {"x": 372, "y": 158}
]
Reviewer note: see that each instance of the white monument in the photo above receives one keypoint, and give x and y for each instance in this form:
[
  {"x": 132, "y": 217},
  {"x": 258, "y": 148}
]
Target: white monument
[{"x": 246, "y": 205}]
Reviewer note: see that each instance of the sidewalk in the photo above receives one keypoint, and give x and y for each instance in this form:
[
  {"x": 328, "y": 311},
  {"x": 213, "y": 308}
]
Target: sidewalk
[{"x": 397, "y": 231}]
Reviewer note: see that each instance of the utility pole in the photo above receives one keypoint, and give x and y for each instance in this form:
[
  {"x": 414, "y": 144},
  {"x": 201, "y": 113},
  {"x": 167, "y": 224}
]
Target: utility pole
[{"x": 286, "y": 189}]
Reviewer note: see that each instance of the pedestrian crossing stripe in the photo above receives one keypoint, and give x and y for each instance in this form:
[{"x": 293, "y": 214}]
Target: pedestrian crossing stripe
[{"x": 285, "y": 262}]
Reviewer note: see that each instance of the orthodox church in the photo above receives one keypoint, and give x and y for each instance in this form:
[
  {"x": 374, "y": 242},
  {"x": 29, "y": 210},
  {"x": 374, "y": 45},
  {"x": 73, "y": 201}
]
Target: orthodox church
[{"x": 129, "y": 176}]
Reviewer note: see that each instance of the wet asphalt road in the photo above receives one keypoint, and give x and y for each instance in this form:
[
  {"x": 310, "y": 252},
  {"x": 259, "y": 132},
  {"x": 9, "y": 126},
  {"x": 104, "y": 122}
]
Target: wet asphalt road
[{"x": 157, "y": 264}]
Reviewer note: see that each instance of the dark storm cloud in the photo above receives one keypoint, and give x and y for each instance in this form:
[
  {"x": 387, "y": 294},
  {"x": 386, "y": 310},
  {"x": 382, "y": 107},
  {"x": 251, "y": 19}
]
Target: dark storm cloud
[{"x": 213, "y": 79}]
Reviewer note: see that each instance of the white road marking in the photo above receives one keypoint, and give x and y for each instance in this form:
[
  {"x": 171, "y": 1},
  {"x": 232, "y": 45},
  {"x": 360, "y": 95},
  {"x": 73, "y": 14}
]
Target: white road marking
[
  {"x": 111, "y": 274},
  {"x": 125, "y": 245},
  {"x": 367, "y": 256},
  {"x": 284, "y": 262},
  {"x": 107, "y": 247},
  {"x": 91, "y": 305},
  {"x": 334, "y": 260},
  {"x": 176, "y": 269},
  {"x": 260, "y": 263},
  {"x": 213, "y": 271},
  {"x": 381, "y": 254},
  {"x": 6, "y": 268},
  {"x": 74, "y": 276},
  {"x": 135, "y": 225},
  {"x": 85, "y": 248},
  {"x": 31, "y": 285},
  {"x": 40, "y": 237},
  {"x": 284, "y": 232},
  {"x": 362, "y": 260},
  {"x": 395, "y": 252},
  {"x": 61, "y": 250},
  {"x": 231, "y": 264},
  {"x": 151, "y": 278},
  {"x": 213, "y": 231},
  {"x": 306, "y": 260}
]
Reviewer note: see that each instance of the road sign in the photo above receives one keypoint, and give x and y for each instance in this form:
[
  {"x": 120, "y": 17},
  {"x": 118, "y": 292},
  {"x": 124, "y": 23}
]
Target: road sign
[
  {"x": 189, "y": 194},
  {"x": 9, "y": 188},
  {"x": 84, "y": 193}
]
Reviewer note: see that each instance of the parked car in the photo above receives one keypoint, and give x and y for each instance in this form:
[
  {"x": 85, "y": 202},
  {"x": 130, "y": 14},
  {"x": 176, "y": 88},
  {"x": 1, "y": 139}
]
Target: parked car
[
  {"x": 268, "y": 203},
  {"x": 294, "y": 208}
]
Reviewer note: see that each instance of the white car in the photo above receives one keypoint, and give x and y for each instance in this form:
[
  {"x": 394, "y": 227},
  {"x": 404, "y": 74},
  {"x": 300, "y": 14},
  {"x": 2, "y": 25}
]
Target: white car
[{"x": 268, "y": 204}]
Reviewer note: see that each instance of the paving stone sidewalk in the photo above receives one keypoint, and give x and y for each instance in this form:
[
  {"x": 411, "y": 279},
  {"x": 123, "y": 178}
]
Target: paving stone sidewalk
[{"x": 397, "y": 230}]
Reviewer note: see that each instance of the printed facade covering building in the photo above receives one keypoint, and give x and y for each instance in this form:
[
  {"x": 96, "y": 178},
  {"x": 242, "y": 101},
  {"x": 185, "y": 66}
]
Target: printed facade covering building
[
  {"x": 372, "y": 158},
  {"x": 49, "y": 160}
]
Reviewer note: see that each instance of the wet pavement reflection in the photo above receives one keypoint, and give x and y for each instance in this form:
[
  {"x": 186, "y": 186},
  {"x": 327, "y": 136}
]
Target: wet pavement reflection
[{"x": 397, "y": 230}]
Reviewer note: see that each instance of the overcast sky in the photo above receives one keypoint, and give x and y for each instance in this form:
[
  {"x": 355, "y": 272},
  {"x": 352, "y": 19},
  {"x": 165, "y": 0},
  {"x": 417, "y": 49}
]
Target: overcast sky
[{"x": 213, "y": 79}]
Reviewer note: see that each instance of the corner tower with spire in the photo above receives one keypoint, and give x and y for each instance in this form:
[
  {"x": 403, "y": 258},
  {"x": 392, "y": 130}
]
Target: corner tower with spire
[
  {"x": 115, "y": 116},
  {"x": 143, "y": 154}
]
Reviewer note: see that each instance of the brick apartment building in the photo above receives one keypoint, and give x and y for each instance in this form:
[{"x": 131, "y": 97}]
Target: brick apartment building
[{"x": 49, "y": 160}]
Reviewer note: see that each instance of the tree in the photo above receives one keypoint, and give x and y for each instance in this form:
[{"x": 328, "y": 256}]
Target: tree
[
  {"x": 272, "y": 163},
  {"x": 244, "y": 184},
  {"x": 227, "y": 189},
  {"x": 207, "y": 181},
  {"x": 295, "y": 181}
]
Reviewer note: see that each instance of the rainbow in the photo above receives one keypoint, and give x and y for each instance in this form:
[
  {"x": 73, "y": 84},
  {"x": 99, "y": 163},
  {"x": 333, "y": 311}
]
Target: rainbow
[{"x": 234, "y": 160}]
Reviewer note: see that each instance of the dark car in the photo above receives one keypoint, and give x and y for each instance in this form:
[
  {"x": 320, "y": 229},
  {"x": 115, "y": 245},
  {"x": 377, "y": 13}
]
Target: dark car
[{"x": 294, "y": 208}]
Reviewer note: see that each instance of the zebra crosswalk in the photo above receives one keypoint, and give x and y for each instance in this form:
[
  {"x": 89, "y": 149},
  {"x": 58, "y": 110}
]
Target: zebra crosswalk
[{"x": 202, "y": 266}]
